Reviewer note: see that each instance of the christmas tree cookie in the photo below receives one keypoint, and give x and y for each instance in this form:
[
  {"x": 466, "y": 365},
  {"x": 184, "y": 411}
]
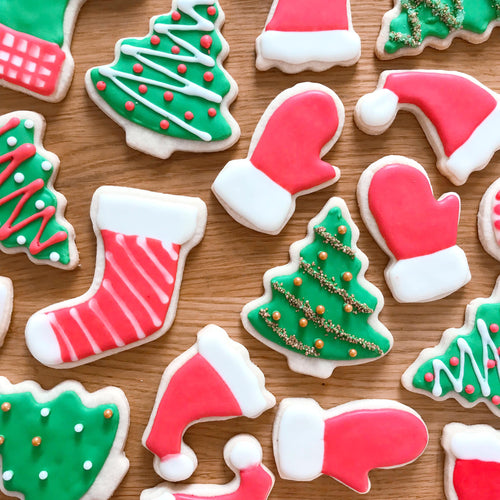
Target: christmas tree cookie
[
  {"x": 169, "y": 90},
  {"x": 35, "y": 39},
  {"x": 319, "y": 310},
  {"x": 465, "y": 365},
  {"x": 63, "y": 443},
  {"x": 413, "y": 25},
  {"x": 31, "y": 211}
]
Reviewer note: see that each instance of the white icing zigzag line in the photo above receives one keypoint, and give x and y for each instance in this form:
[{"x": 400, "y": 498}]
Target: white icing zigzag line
[
  {"x": 190, "y": 88},
  {"x": 465, "y": 349}
]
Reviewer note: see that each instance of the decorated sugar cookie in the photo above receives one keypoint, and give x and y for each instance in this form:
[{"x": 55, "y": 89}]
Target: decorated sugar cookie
[
  {"x": 319, "y": 310},
  {"x": 488, "y": 220},
  {"x": 465, "y": 365},
  {"x": 472, "y": 467},
  {"x": 213, "y": 380},
  {"x": 35, "y": 39},
  {"x": 143, "y": 239},
  {"x": 169, "y": 90},
  {"x": 285, "y": 158},
  {"x": 413, "y": 25},
  {"x": 417, "y": 232},
  {"x": 243, "y": 455},
  {"x": 6, "y": 305},
  {"x": 31, "y": 210},
  {"x": 313, "y": 36},
  {"x": 345, "y": 442},
  {"x": 63, "y": 443},
  {"x": 459, "y": 115}
]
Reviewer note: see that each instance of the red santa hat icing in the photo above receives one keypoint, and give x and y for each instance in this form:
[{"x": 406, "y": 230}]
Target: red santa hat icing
[
  {"x": 299, "y": 127},
  {"x": 214, "y": 380},
  {"x": 243, "y": 455},
  {"x": 417, "y": 231},
  {"x": 463, "y": 114},
  {"x": 345, "y": 442},
  {"x": 298, "y": 34}
]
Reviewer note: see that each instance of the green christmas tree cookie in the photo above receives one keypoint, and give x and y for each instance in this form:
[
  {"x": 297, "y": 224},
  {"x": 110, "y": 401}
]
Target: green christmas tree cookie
[
  {"x": 64, "y": 443},
  {"x": 413, "y": 25},
  {"x": 319, "y": 310},
  {"x": 169, "y": 90},
  {"x": 31, "y": 211},
  {"x": 465, "y": 365}
]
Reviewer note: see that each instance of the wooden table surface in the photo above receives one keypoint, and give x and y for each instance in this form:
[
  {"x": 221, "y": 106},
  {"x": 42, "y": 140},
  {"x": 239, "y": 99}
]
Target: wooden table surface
[{"x": 225, "y": 270}]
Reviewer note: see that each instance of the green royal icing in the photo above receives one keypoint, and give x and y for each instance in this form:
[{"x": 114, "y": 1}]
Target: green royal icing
[
  {"x": 62, "y": 451},
  {"x": 438, "y": 18},
  {"x": 41, "y": 18},
  {"x": 32, "y": 170},
  {"x": 124, "y": 89},
  {"x": 364, "y": 338},
  {"x": 490, "y": 313}
]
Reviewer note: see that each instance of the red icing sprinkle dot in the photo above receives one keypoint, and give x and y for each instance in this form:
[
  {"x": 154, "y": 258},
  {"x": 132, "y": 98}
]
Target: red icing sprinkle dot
[
  {"x": 206, "y": 41},
  {"x": 138, "y": 68},
  {"x": 188, "y": 115},
  {"x": 454, "y": 361},
  {"x": 498, "y": 350},
  {"x": 497, "y": 209},
  {"x": 176, "y": 16},
  {"x": 469, "y": 389},
  {"x": 181, "y": 68},
  {"x": 155, "y": 40},
  {"x": 491, "y": 363},
  {"x": 175, "y": 49},
  {"x": 211, "y": 11},
  {"x": 164, "y": 124},
  {"x": 498, "y": 195},
  {"x": 494, "y": 328},
  {"x": 429, "y": 377},
  {"x": 168, "y": 96},
  {"x": 208, "y": 76},
  {"x": 143, "y": 89},
  {"x": 497, "y": 224},
  {"x": 495, "y": 400},
  {"x": 212, "y": 112},
  {"x": 101, "y": 85},
  {"x": 129, "y": 106}
]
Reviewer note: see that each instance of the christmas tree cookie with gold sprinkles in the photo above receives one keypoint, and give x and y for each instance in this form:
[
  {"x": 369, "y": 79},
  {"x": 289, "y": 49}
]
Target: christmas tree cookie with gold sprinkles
[
  {"x": 319, "y": 310},
  {"x": 62, "y": 443}
]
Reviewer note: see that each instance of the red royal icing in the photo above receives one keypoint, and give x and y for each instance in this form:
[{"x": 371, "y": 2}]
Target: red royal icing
[
  {"x": 476, "y": 480},
  {"x": 289, "y": 149},
  {"x": 411, "y": 221}
]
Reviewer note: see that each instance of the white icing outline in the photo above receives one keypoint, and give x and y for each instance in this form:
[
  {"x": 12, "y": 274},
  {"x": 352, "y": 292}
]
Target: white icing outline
[
  {"x": 6, "y": 305},
  {"x": 486, "y": 219}
]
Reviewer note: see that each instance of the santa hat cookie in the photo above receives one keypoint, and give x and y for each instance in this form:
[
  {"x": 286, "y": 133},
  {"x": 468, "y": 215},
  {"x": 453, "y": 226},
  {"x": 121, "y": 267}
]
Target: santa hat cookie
[
  {"x": 143, "y": 239},
  {"x": 460, "y": 116},
  {"x": 345, "y": 442},
  {"x": 243, "y": 455},
  {"x": 488, "y": 220},
  {"x": 213, "y": 380},
  {"x": 313, "y": 36},
  {"x": 284, "y": 160},
  {"x": 35, "y": 55},
  {"x": 418, "y": 232},
  {"x": 472, "y": 467}
]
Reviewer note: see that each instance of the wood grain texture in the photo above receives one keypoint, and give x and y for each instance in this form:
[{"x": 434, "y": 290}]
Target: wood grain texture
[{"x": 225, "y": 270}]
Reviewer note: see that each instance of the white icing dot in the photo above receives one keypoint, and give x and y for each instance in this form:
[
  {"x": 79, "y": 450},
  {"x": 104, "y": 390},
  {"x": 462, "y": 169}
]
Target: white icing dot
[
  {"x": 46, "y": 165},
  {"x": 54, "y": 257},
  {"x": 21, "y": 240},
  {"x": 78, "y": 427},
  {"x": 19, "y": 177},
  {"x": 7, "y": 475},
  {"x": 29, "y": 124},
  {"x": 39, "y": 204},
  {"x": 11, "y": 141},
  {"x": 43, "y": 475},
  {"x": 87, "y": 465},
  {"x": 44, "y": 412}
]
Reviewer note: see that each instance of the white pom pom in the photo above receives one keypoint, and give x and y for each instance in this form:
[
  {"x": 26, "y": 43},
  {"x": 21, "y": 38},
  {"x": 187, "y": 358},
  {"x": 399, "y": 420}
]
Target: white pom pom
[
  {"x": 244, "y": 452},
  {"x": 377, "y": 110},
  {"x": 176, "y": 468}
]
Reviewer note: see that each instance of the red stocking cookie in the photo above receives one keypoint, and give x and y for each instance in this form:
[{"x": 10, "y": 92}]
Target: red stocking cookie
[
  {"x": 488, "y": 220},
  {"x": 243, "y": 455},
  {"x": 213, "y": 380},
  {"x": 345, "y": 442},
  {"x": 284, "y": 161},
  {"x": 472, "y": 467},
  {"x": 313, "y": 36},
  {"x": 418, "y": 232},
  {"x": 460, "y": 116},
  {"x": 143, "y": 239}
]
